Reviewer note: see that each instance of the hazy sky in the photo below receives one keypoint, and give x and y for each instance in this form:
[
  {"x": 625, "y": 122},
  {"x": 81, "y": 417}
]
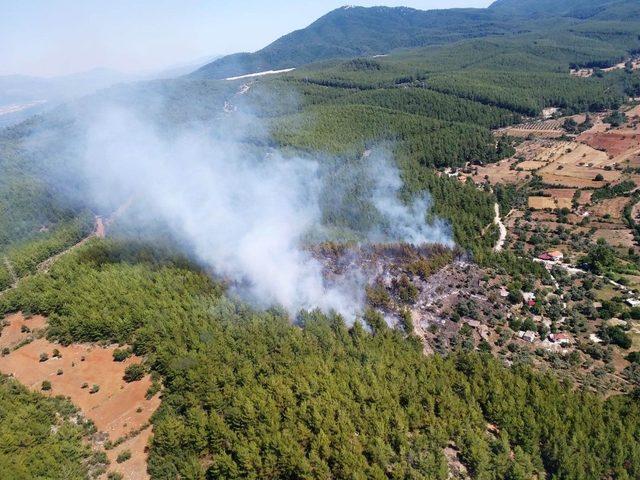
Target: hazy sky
[{"x": 54, "y": 37}]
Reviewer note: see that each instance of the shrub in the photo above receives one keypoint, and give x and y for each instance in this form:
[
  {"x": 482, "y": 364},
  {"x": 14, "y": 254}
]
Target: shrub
[
  {"x": 378, "y": 297},
  {"x": 529, "y": 325},
  {"x": 407, "y": 321},
  {"x": 633, "y": 357},
  {"x": 95, "y": 389},
  {"x": 133, "y": 372},
  {"x": 484, "y": 346},
  {"x": 619, "y": 337},
  {"x": 153, "y": 389},
  {"x": 121, "y": 354},
  {"x": 405, "y": 289},
  {"x": 123, "y": 456},
  {"x": 46, "y": 385},
  {"x": 615, "y": 119},
  {"x": 44, "y": 357}
]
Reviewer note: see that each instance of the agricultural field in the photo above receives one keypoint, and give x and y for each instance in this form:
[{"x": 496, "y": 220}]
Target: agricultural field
[
  {"x": 538, "y": 128},
  {"x": 548, "y": 203},
  {"x": 618, "y": 145},
  {"x": 572, "y": 199},
  {"x": 500, "y": 172}
]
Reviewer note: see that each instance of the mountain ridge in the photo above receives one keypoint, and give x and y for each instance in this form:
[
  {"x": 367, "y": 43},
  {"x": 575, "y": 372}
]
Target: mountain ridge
[{"x": 352, "y": 31}]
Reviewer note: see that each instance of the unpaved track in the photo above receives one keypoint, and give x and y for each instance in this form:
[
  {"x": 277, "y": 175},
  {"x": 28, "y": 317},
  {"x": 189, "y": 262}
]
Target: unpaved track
[
  {"x": 98, "y": 232},
  {"x": 575, "y": 271},
  {"x": 503, "y": 230}
]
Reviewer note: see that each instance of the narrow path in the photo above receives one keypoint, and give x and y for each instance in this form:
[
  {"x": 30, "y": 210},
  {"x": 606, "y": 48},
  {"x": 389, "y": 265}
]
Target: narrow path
[
  {"x": 503, "y": 230},
  {"x": 98, "y": 232}
]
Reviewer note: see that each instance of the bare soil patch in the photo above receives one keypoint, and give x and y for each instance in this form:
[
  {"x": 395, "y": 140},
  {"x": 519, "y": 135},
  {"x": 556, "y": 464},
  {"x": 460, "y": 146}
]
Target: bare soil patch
[
  {"x": 500, "y": 172},
  {"x": 118, "y": 408},
  {"x": 531, "y": 165},
  {"x": 136, "y": 467},
  {"x": 613, "y": 207},
  {"x": 614, "y": 143},
  {"x": 548, "y": 203},
  {"x": 633, "y": 111},
  {"x": 633, "y": 177},
  {"x": 576, "y": 154},
  {"x": 561, "y": 192},
  {"x": 112, "y": 408},
  {"x": 616, "y": 237},
  {"x": 585, "y": 197},
  {"x": 100, "y": 229},
  {"x": 15, "y": 332},
  {"x": 571, "y": 182},
  {"x": 543, "y": 217},
  {"x": 567, "y": 164}
]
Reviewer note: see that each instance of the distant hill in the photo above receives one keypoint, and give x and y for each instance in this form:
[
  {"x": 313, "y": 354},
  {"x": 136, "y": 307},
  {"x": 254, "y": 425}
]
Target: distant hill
[
  {"x": 182, "y": 68},
  {"x": 355, "y": 31},
  {"x": 22, "y": 96},
  {"x": 581, "y": 9},
  {"x": 23, "y": 88}
]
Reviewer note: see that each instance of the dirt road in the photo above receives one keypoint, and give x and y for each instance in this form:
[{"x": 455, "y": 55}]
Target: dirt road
[
  {"x": 503, "y": 230},
  {"x": 98, "y": 231},
  {"x": 575, "y": 271}
]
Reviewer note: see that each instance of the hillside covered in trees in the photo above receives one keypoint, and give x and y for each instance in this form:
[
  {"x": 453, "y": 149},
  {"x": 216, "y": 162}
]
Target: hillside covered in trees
[
  {"x": 356, "y": 31},
  {"x": 258, "y": 392},
  {"x": 261, "y": 397}
]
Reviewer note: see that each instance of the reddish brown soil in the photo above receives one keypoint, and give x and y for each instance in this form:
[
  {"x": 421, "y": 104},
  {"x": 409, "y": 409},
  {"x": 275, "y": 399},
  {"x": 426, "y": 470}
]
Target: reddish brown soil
[
  {"x": 118, "y": 408},
  {"x": 12, "y": 334},
  {"x": 585, "y": 197},
  {"x": 136, "y": 467},
  {"x": 113, "y": 408},
  {"x": 614, "y": 143}
]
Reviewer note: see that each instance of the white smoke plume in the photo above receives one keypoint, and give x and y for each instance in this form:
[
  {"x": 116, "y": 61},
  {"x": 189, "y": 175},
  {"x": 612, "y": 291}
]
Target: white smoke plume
[{"x": 245, "y": 218}]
